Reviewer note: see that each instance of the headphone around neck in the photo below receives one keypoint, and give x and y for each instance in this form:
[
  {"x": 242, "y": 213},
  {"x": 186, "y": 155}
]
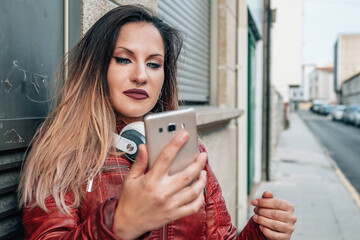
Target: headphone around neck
[{"x": 129, "y": 139}]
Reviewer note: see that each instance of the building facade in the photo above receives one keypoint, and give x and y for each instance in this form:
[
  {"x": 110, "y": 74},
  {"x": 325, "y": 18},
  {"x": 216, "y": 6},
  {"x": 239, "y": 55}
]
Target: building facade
[
  {"x": 321, "y": 84},
  {"x": 346, "y": 60},
  {"x": 286, "y": 43},
  {"x": 305, "y": 84},
  {"x": 350, "y": 91},
  {"x": 221, "y": 74}
]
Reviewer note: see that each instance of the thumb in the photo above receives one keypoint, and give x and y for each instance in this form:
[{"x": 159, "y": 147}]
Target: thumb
[
  {"x": 267, "y": 194},
  {"x": 140, "y": 164}
]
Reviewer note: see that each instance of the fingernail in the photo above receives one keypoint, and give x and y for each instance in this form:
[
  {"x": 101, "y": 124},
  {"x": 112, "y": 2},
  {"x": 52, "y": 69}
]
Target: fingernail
[
  {"x": 203, "y": 155},
  {"x": 184, "y": 136},
  {"x": 255, "y": 202},
  {"x": 255, "y": 217}
]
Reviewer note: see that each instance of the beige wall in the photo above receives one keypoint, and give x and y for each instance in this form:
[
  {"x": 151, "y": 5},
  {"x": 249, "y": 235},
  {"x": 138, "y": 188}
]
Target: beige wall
[
  {"x": 322, "y": 85},
  {"x": 348, "y": 56},
  {"x": 92, "y": 10},
  {"x": 326, "y": 86},
  {"x": 225, "y": 169},
  {"x": 277, "y": 119},
  {"x": 286, "y": 44},
  {"x": 227, "y": 52},
  {"x": 219, "y": 141}
]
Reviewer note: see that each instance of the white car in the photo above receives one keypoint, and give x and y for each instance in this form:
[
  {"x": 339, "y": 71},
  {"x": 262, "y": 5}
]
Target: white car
[
  {"x": 338, "y": 113},
  {"x": 349, "y": 113}
]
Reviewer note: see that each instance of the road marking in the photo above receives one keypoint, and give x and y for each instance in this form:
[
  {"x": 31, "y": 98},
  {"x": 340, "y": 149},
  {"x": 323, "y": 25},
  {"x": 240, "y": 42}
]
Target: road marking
[{"x": 354, "y": 194}]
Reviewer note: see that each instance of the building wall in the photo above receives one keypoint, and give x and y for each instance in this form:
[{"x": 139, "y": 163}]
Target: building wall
[
  {"x": 322, "y": 86},
  {"x": 306, "y": 84},
  {"x": 242, "y": 102},
  {"x": 286, "y": 52},
  {"x": 222, "y": 123},
  {"x": 258, "y": 112},
  {"x": 31, "y": 43},
  {"x": 221, "y": 160},
  {"x": 313, "y": 84},
  {"x": 326, "y": 86},
  {"x": 296, "y": 94},
  {"x": 348, "y": 62},
  {"x": 277, "y": 118},
  {"x": 351, "y": 90}
]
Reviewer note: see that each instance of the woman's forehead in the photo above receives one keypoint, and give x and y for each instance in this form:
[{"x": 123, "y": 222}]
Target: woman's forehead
[{"x": 138, "y": 36}]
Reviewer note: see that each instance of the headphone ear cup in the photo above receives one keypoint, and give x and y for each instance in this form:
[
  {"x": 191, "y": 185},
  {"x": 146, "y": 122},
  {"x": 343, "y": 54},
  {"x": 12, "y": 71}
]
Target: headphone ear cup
[{"x": 137, "y": 138}]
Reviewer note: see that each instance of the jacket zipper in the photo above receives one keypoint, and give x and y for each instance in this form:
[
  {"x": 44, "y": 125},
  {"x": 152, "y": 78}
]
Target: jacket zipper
[
  {"x": 164, "y": 233},
  {"x": 105, "y": 169},
  {"x": 115, "y": 168}
]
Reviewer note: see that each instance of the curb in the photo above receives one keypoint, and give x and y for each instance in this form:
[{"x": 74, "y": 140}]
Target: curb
[
  {"x": 354, "y": 194},
  {"x": 349, "y": 187}
]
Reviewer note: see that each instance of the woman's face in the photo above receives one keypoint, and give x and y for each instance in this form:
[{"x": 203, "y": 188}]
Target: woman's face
[{"x": 136, "y": 73}]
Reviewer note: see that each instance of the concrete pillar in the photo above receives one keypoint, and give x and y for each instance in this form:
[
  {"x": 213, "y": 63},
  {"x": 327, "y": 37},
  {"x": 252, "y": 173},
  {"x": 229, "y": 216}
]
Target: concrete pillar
[
  {"x": 242, "y": 95},
  {"x": 92, "y": 10}
]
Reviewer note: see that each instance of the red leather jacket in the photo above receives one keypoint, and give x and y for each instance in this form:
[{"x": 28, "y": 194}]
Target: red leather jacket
[{"x": 94, "y": 219}]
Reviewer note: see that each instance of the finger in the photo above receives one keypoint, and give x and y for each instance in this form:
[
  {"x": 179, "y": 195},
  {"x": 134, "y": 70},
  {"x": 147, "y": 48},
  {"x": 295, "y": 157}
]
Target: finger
[
  {"x": 190, "y": 208},
  {"x": 141, "y": 163},
  {"x": 271, "y": 234},
  {"x": 279, "y": 215},
  {"x": 267, "y": 194},
  {"x": 273, "y": 203},
  {"x": 162, "y": 164},
  {"x": 274, "y": 224},
  {"x": 185, "y": 177},
  {"x": 190, "y": 193}
]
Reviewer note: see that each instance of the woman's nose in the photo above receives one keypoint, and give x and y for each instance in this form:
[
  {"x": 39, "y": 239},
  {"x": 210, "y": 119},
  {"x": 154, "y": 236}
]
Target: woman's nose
[{"x": 140, "y": 75}]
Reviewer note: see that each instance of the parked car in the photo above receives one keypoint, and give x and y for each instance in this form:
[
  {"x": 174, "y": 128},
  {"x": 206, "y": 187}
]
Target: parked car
[
  {"x": 338, "y": 113},
  {"x": 349, "y": 114},
  {"x": 326, "y": 109},
  {"x": 357, "y": 118},
  {"x": 316, "y": 104}
]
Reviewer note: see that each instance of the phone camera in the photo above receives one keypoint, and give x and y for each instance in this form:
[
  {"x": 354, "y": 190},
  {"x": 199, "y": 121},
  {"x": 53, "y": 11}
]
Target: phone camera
[{"x": 171, "y": 127}]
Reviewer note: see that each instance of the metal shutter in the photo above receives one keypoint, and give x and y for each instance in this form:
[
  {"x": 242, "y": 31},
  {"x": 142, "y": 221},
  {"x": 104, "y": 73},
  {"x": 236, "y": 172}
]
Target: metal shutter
[
  {"x": 10, "y": 217},
  {"x": 192, "y": 19},
  {"x": 31, "y": 44}
]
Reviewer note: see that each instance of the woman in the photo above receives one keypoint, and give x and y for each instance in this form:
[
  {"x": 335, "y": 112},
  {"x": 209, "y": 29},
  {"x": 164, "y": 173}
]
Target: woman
[{"x": 123, "y": 68}]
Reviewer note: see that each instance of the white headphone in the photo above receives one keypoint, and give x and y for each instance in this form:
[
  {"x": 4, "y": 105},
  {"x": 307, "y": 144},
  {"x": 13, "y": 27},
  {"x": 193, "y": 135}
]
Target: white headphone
[{"x": 131, "y": 136}]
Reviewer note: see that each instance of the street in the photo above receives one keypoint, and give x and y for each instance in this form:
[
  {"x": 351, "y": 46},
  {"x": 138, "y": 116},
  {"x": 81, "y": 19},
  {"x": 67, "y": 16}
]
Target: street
[{"x": 341, "y": 141}]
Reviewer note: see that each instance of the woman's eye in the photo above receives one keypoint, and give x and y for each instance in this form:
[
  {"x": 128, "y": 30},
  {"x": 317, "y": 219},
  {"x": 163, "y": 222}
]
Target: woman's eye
[
  {"x": 154, "y": 65},
  {"x": 122, "y": 60}
]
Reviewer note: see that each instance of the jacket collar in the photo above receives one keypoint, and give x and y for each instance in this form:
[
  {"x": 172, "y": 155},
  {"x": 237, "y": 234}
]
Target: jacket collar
[{"x": 119, "y": 126}]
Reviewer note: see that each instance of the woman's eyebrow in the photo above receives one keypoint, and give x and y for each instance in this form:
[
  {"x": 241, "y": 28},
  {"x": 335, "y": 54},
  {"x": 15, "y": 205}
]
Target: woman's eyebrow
[
  {"x": 131, "y": 52},
  {"x": 156, "y": 55},
  {"x": 128, "y": 50}
]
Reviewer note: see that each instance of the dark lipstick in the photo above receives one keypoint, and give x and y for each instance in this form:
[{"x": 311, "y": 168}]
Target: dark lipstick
[{"x": 137, "y": 94}]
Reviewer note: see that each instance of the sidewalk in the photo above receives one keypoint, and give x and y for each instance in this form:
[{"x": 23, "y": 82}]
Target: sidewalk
[{"x": 302, "y": 173}]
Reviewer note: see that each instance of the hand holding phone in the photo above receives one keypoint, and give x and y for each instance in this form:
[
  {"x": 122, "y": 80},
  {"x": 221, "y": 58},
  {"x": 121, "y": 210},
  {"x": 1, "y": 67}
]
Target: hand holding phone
[{"x": 161, "y": 128}]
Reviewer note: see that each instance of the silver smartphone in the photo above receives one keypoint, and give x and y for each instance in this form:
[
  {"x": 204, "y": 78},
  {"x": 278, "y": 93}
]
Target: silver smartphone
[{"x": 161, "y": 128}]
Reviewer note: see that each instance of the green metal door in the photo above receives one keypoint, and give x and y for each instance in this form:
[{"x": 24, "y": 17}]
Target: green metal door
[{"x": 251, "y": 108}]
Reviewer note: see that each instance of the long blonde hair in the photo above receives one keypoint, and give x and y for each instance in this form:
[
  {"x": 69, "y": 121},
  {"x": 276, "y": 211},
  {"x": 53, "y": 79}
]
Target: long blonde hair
[{"x": 75, "y": 139}]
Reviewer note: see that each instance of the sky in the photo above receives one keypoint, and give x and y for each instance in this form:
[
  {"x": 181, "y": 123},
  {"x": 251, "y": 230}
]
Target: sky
[{"x": 323, "y": 21}]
